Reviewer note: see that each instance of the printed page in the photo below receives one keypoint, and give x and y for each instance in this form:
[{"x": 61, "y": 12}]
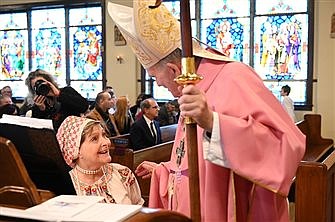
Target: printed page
[
  {"x": 71, "y": 208},
  {"x": 27, "y": 121},
  {"x": 19, "y": 213},
  {"x": 64, "y": 206},
  {"x": 107, "y": 212}
]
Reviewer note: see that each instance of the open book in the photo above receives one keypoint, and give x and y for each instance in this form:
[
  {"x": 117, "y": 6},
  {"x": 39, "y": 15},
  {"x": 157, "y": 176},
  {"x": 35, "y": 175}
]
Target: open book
[
  {"x": 74, "y": 208},
  {"x": 27, "y": 121}
]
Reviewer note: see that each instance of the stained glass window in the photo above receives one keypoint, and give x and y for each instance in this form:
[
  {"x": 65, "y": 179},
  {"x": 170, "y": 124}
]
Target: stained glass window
[
  {"x": 231, "y": 36},
  {"x": 65, "y": 42},
  {"x": 281, "y": 40},
  {"x": 273, "y": 36},
  {"x": 224, "y": 8},
  {"x": 85, "y": 39},
  {"x": 280, "y": 6},
  {"x": 86, "y": 59},
  {"x": 13, "y": 51},
  {"x": 281, "y": 48},
  {"x": 174, "y": 8},
  {"x": 48, "y": 42}
]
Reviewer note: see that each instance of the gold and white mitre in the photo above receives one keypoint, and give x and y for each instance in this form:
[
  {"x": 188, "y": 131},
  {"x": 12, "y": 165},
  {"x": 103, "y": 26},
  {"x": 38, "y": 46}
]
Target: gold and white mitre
[{"x": 152, "y": 33}]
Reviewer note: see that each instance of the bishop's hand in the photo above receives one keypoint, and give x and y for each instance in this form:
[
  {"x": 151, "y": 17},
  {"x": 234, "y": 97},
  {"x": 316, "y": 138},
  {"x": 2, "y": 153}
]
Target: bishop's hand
[{"x": 193, "y": 103}]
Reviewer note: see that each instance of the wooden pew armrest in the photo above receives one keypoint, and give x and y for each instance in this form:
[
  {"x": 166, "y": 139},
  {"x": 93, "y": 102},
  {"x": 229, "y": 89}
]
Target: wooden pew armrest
[
  {"x": 45, "y": 194},
  {"x": 316, "y": 151}
]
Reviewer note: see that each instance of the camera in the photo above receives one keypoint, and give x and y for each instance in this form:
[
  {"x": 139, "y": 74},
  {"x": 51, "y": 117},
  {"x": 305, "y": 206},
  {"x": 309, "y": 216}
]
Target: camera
[{"x": 41, "y": 88}]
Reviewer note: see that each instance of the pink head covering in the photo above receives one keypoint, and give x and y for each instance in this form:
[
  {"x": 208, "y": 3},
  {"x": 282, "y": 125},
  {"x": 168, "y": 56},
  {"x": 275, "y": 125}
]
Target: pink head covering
[{"x": 69, "y": 136}]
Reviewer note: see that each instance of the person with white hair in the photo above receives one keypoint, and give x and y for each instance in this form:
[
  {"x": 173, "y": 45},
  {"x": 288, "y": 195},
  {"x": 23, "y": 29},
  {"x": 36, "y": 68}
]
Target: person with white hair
[{"x": 249, "y": 149}]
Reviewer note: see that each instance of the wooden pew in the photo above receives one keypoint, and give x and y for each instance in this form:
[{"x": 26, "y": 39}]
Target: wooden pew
[
  {"x": 41, "y": 155},
  {"x": 157, "y": 154},
  {"x": 168, "y": 132},
  {"x": 316, "y": 146},
  {"x": 123, "y": 154},
  {"x": 121, "y": 140},
  {"x": 16, "y": 187},
  {"x": 314, "y": 191}
]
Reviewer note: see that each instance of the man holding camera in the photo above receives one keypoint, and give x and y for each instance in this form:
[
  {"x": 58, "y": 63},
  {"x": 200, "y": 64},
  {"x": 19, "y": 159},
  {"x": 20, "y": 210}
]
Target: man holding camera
[{"x": 51, "y": 102}]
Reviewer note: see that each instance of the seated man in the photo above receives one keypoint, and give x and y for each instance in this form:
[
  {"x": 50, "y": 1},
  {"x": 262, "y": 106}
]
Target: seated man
[
  {"x": 103, "y": 103},
  {"x": 4, "y": 100},
  {"x": 7, "y": 91},
  {"x": 7, "y": 106},
  {"x": 167, "y": 114},
  {"x": 145, "y": 132}
]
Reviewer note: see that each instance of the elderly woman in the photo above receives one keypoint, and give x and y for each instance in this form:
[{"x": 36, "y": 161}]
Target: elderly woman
[{"x": 85, "y": 147}]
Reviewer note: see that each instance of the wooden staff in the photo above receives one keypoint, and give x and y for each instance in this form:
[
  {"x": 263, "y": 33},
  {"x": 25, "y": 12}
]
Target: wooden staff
[{"x": 187, "y": 77}]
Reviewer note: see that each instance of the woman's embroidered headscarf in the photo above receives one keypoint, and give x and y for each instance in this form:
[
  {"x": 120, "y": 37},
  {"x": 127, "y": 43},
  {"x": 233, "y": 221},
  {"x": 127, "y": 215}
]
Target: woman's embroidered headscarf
[{"x": 69, "y": 136}]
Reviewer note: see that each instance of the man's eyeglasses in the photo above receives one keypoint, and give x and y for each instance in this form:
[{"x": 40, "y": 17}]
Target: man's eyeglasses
[{"x": 155, "y": 107}]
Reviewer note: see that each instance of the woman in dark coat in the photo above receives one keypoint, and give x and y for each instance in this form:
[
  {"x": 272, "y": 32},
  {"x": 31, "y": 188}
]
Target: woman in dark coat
[{"x": 51, "y": 102}]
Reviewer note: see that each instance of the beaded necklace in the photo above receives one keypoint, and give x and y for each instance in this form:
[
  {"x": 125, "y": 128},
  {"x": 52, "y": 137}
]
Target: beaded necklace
[{"x": 88, "y": 172}]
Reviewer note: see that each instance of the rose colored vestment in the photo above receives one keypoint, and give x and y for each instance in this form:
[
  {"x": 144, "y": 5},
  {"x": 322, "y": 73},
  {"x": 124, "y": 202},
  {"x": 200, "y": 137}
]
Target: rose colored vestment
[{"x": 261, "y": 149}]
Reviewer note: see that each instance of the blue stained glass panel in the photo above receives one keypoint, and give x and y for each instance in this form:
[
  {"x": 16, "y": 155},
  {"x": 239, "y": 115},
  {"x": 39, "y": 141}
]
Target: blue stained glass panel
[
  {"x": 48, "y": 47},
  {"x": 174, "y": 8},
  {"x": 85, "y": 16},
  {"x": 13, "y": 54},
  {"x": 13, "y": 21},
  {"x": 280, "y": 6},
  {"x": 86, "y": 55},
  {"x": 224, "y": 8},
  {"x": 230, "y": 36},
  {"x": 88, "y": 89},
  {"x": 281, "y": 47},
  {"x": 48, "y": 18}
]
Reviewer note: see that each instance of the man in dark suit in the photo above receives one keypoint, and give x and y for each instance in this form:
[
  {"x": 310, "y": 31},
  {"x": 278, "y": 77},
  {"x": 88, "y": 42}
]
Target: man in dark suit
[{"x": 145, "y": 132}]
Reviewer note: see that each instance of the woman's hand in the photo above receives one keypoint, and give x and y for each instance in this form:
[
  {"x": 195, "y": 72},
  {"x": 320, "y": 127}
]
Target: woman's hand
[
  {"x": 39, "y": 102},
  {"x": 145, "y": 169}
]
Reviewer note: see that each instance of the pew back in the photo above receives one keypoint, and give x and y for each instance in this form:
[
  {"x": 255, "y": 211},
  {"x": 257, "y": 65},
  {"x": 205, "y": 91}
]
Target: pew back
[
  {"x": 316, "y": 146},
  {"x": 16, "y": 188},
  {"x": 168, "y": 132},
  {"x": 41, "y": 155},
  {"x": 121, "y": 141},
  {"x": 123, "y": 154},
  {"x": 314, "y": 191}
]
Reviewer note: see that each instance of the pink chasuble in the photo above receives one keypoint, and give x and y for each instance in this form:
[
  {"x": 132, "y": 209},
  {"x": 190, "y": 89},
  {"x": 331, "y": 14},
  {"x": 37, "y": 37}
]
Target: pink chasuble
[{"x": 261, "y": 146}]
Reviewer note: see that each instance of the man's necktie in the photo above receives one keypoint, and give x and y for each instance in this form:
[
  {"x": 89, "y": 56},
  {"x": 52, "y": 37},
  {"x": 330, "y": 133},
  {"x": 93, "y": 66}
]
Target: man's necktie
[{"x": 153, "y": 131}]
